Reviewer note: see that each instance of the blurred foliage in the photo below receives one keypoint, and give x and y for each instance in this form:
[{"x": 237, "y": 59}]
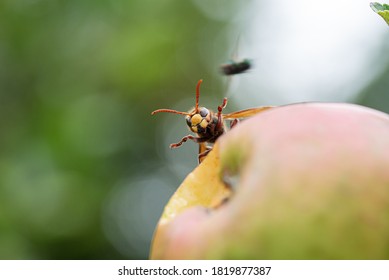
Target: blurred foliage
[
  {"x": 78, "y": 80},
  {"x": 376, "y": 95},
  {"x": 382, "y": 10}
]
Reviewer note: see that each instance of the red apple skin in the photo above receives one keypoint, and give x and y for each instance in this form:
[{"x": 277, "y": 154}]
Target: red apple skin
[{"x": 312, "y": 183}]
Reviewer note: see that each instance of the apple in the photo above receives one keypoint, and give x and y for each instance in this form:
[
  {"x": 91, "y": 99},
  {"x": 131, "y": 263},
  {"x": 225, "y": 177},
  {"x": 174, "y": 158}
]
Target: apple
[{"x": 301, "y": 181}]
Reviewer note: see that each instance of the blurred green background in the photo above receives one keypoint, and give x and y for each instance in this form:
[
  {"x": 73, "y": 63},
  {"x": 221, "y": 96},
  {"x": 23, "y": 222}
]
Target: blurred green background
[{"x": 85, "y": 170}]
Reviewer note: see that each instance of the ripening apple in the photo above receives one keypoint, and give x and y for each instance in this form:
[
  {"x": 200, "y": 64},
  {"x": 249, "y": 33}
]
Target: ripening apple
[{"x": 303, "y": 181}]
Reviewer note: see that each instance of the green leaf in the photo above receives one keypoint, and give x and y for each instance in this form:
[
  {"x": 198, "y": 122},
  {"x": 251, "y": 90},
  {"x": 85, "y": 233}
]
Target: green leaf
[{"x": 381, "y": 9}]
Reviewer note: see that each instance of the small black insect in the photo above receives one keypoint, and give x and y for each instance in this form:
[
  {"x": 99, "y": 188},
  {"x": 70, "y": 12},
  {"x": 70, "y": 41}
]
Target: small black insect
[{"x": 234, "y": 68}]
